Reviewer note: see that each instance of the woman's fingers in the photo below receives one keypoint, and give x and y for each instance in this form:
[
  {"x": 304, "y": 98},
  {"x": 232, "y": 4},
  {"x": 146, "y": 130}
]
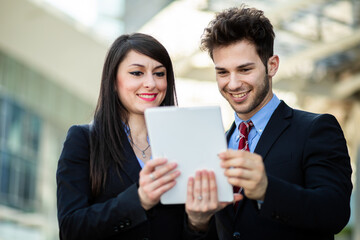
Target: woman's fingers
[
  {"x": 190, "y": 190},
  {"x": 159, "y": 182},
  {"x": 202, "y": 201},
  {"x": 205, "y": 194},
  {"x": 157, "y": 177},
  {"x": 213, "y": 188},
  {"x": 152, "y": 164},
  {"x": 157, "y": 168},
  {"x": 161, "y": 170},
  {"x": 197, "y": 187}
]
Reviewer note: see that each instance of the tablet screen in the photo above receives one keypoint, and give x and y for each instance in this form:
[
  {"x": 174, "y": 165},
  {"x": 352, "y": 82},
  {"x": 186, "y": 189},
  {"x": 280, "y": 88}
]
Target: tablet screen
[{"x": 192, "y": 137}]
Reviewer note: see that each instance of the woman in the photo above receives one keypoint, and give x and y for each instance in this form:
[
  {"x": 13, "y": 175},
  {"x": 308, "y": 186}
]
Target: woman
[{"x": 101, "y": 194}]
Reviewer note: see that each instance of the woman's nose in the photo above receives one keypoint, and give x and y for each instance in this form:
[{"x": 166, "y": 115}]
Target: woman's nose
[{"x": 149, "y": 81}]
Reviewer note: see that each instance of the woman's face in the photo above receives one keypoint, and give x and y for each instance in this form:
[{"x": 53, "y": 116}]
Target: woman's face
[{"x": 141, "y": 82}]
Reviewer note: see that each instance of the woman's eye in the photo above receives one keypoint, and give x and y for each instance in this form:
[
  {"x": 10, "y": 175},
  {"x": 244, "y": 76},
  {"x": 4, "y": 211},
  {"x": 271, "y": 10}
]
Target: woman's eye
[
  {"x": 160, "y": 74},
  {"x": 136, "y": 73}
]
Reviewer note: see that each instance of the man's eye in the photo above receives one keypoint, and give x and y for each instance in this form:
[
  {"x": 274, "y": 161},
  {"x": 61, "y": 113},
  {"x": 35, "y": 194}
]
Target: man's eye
[
  {"x": 160, "y": 74},
  {"x": 136, "y": 73},
  {"x": 221, "y": 73}
]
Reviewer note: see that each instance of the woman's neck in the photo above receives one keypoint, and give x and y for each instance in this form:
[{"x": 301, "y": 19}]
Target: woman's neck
[
  {"x": 138, "y": 137},
  {"x": 137, "y": 127}
]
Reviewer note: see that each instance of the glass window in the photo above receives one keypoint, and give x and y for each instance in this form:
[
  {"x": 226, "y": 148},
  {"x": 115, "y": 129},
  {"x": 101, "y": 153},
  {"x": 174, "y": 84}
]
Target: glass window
[{"x": 19, "y": 150}]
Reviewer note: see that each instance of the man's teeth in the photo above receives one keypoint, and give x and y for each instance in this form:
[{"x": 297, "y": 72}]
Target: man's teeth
[{"x": 239, "y": 95}]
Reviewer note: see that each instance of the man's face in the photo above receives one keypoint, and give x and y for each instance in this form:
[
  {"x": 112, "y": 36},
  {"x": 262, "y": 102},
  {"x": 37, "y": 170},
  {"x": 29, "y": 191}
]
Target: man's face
[{"x": 242, "y": 78}]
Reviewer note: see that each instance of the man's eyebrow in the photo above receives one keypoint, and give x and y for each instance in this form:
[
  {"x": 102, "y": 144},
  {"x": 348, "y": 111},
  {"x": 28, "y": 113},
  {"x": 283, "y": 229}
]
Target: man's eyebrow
[
  {"x": 219, "y": 68},
  {"x": 246, "y": 65},
  {"x": 240, "y": 66}
]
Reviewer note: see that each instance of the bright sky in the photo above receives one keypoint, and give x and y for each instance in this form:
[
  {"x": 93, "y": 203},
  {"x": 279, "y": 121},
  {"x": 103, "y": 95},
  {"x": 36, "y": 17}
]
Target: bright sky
[{"x": 85, "y": 11}]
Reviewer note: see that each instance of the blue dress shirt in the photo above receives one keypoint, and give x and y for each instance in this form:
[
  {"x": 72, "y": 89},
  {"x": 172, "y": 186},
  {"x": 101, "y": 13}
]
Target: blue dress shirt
[
  {"x": 127, "y": 131},
  {"x": 260, "y": 120}
]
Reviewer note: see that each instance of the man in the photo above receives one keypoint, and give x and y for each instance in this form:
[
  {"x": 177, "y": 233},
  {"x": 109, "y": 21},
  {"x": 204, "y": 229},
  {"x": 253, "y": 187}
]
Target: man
[{"x": 295, "y": 177}]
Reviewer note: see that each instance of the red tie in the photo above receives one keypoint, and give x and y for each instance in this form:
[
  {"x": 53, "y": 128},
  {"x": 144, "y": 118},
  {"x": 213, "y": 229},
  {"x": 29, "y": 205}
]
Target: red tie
[{"x": 244, "y": 129}]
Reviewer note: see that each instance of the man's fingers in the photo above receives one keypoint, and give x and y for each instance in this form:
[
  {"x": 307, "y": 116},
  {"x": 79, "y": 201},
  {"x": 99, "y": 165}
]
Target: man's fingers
[
  {"x": 230, "y": 153},
  {"x": 239, "y": 173},
  {"x": 238, "y": 197}
]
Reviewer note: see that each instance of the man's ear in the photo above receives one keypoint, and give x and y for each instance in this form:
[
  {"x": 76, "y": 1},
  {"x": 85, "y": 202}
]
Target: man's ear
[{"x": 273, "y": 65}]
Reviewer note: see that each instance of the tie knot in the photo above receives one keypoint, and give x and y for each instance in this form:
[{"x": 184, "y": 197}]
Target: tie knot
[{"x": 245, "y": 128}]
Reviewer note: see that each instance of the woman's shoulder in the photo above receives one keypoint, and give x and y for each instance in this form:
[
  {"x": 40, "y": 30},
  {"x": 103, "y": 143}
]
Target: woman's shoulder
[
  {"x": 79, "y": 132},
  {"x": 77, "y": 140},
  {"x": 79, "y": 129}
]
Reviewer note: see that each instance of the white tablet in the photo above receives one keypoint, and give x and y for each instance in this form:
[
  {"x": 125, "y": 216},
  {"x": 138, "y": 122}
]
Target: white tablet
[{"x": 191, "y": 137}]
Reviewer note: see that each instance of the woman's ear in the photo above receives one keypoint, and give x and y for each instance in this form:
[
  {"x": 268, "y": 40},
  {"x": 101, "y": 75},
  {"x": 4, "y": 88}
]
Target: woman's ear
[{"x": 273, "y": 65}]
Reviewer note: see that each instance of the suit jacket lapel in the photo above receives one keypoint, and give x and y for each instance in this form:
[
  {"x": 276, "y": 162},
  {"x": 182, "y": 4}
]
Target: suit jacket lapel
[
  {"x": 278, "y": 122},
  {"x": 230, "y": 132},
  {"x": 229, "y": 210},
  {"x": 131, "y": 167}
]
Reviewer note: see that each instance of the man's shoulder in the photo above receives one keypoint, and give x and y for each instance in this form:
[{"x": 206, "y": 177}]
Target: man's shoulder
[{"x": 307, "y": 117}]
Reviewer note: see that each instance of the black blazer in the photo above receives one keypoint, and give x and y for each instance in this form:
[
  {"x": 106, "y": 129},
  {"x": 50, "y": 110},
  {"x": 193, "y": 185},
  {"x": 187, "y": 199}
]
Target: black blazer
[
  {"x": 309, "y": 182},
  {"x": 116, "y": 213}
]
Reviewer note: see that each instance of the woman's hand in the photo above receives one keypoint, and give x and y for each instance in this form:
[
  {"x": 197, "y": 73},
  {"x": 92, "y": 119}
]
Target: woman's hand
[
  {"x": 156, "y": 178},
  {"x": 202, "y": 201}
]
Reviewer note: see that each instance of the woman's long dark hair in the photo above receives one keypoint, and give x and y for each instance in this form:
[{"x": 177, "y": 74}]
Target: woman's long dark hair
[{"x": 107, "y": 134}]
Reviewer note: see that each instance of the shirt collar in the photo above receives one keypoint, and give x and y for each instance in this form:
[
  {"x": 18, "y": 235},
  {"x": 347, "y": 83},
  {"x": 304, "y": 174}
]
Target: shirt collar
[{"x": 262, "y": 117}]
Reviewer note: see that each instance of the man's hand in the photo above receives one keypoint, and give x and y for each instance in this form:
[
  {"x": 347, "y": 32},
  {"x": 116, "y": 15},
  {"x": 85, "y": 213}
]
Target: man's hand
[{"x": 246, "y": 170}]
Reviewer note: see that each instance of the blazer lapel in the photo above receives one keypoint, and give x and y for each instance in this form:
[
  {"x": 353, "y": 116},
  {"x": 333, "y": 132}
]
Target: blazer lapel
[
  {"x": 278, "y": 122},
  {"x": 230, "y": 132},
  {"x": 131, "y": 167},
  {"x": 229, "y": 210}
]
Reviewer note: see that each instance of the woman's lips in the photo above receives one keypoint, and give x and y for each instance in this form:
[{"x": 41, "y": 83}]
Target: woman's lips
[{"x": 149, "y": 97}]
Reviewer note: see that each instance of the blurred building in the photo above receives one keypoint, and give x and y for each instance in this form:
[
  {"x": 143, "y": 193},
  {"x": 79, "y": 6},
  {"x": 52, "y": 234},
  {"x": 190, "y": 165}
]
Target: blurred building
[
  {"x": 50, "y": 69},
  {"x": 49, "y": 76}
]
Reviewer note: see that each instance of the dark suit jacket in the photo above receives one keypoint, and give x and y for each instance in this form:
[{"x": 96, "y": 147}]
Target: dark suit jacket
[
  {"x": 116, "y": 213},
  {"x": 309, "y": 182}
]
